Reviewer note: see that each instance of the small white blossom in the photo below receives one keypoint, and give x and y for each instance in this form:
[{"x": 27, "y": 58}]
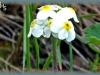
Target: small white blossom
[
  {"x": 36, "y": 29},
  {"x": 39, "y": 28},
  {"x": 45, "y": 12},
  {"x": 64, "y": 29},
  {"x": 67, "y": 13}
]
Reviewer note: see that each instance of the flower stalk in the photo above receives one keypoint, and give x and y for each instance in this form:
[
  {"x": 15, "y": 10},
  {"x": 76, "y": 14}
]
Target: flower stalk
[
  {"x": 71, "y": 56},
  {"x": 54, "y": 54}
]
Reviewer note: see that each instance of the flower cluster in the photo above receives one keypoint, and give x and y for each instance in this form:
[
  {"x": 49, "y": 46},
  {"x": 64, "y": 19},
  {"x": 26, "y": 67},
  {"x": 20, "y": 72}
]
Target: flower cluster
[{"x": 53, "y": 19}]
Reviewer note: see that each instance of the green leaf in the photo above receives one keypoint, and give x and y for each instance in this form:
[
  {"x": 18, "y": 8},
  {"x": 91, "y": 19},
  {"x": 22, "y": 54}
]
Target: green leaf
[
  {"x": 30, "y": 10},
  {"x": 87, "y": 15},
  {"x": 48, "y": 61},
  {"x": 59, "y": 58},
  {"x": 59, "y": 54},
  {"x": 26, "y": 50},
  {"x": 94, "y": 40},
  {"x": 92, "y": 66},
  {"x": 92, "y": 34},
  {"x": 96, "y": 60},
  {"x": 37, "y": 52},
  {"x": 93, "y": 48}
]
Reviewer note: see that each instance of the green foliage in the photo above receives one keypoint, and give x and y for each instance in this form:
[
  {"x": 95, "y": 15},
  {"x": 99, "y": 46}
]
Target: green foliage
[
  {"x": 26, "y": 51},
  {"x": 36, "y": 45},
  {"x": 94, "y": 48},
  {"x": 48, "y": 61},
  {"x": 92, "y": 34},
  {"x": 94, "y": 40},
  {"x": 93, "y": 65}
]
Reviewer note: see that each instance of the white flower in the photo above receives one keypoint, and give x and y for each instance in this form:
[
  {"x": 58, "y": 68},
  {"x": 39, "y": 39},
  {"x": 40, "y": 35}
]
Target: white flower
[
  {"x": 36, "y": 29},
  {"x": 45, "y": 12},
  {"x": 64, "y": 29},
  {"x": 67, "y": 13},
  {"x": 39, "y": 28}
]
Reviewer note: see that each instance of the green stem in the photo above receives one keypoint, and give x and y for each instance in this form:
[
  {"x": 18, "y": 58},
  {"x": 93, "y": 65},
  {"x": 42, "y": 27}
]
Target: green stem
[
  {"x": 54, "y": 53},
  {"x": 71, "y": 56}
]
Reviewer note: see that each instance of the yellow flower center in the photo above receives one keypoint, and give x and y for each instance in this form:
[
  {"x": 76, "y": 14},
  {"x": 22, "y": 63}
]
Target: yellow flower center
[
  {"x": 33, "y": 23},
  {"x": 49, "y": 22},
  {"x": 67, "y": 25},
  {"x": 46, "y": 7},
  {"x": 71, "y": 9}
]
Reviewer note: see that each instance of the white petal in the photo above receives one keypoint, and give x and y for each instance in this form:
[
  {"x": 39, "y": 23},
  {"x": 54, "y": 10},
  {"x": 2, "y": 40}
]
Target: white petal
[
  {"x": 73, "y": 15},
  {"x": 71, "y": 35},
  {"x": 41, "y": 23},
  {"x": 47, "y": 32},
  {"x": 37, "y": 31},
  {"x": 62, "y": 34},
  {"x": 30, "y": 32},
  {"x": 56, "y": 25},
  {"x": 64, "y": 13},
  {"x": 42, "y": 15},
  {"x": 55, "y": 28},
  {"x": 75, "y": 18},
  {"x": 72, "y": 27},
  {"x": 67, "y": 14},
  {"x": 55, "y": 35},
  {"x": 51, "y": 13}
]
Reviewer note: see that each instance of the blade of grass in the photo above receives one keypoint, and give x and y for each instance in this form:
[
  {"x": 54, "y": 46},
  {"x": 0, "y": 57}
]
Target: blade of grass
[
  {"x": 26, "y": 52},
  {"x": 32, "y": 7},
  {"x": 59, "y": 57},
  {"x": 87, "y": 15},
  {"x": 59, "y": 53},
  {"x": 28, "y": 19},
  {"x": 25, "y": 43},
  {"x": 45, "y": 66},
  {"x": 37, "y": 52}
]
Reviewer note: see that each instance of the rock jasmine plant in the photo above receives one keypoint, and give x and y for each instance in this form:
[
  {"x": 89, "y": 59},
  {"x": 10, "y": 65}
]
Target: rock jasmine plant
[{"x": 52, "y": 21}]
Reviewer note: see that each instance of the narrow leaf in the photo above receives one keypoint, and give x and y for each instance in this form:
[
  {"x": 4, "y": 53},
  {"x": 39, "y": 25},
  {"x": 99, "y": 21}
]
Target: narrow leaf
[
  {"x": 87, "y": 15},
  {"x": 48, "y": 61}
]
